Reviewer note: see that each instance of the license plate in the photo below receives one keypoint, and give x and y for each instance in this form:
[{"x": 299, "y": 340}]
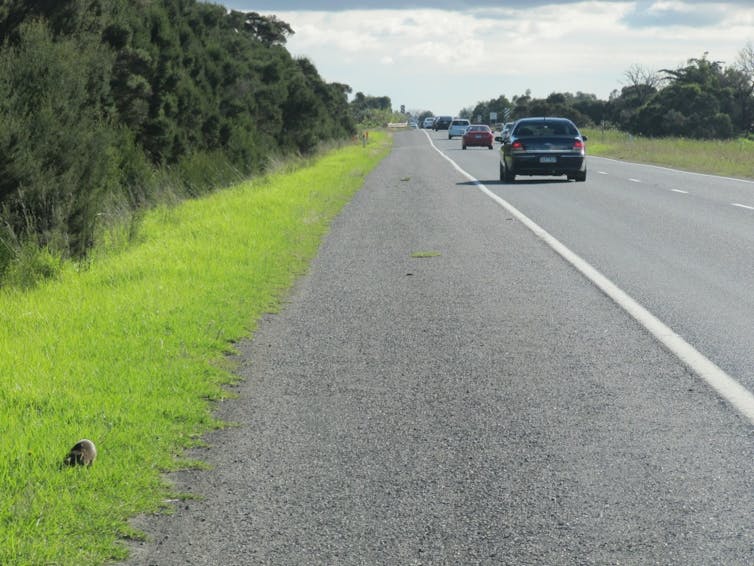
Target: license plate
[
  {"x": 548, "y": 159},
  {"x": 478, "y": 136}
]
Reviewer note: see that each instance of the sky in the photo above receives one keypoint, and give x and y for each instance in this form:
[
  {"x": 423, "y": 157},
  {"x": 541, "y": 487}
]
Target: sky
[{"x": 443, "y": 55}]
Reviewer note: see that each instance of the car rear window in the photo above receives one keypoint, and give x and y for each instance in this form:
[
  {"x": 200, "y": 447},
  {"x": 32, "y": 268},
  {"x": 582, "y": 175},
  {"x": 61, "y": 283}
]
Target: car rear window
[{"x": 546, "y": 128}]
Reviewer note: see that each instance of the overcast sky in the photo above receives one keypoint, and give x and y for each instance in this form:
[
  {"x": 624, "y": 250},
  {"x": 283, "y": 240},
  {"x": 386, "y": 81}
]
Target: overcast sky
[{"x": 443, "y": 55}]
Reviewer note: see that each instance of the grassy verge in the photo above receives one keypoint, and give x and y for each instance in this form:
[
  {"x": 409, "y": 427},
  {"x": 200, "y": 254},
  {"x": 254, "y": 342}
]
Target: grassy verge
[
  {"x": 130, "y": 351},
  {"x": 733, "y": 158}
]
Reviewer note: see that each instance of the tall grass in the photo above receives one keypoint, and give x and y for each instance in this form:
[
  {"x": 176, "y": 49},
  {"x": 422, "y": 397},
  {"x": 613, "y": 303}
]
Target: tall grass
[
  {"x": 732, "y": 158},
  {"x": 129, "y": 352}
]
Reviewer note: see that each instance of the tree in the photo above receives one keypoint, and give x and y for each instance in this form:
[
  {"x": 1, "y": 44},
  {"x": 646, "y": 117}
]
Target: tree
[
  {"x": 484, "y": 108},
  {"x": 642, "y": 82},
  {"x": 743, "y": 81},
  {"x": 267, "y": 29},
  {"x": 370, "y": 109},
  {"x": 697, "y": 102},
  {"x": 96, "y": 96},
  {"x": 640, "y": 86}
]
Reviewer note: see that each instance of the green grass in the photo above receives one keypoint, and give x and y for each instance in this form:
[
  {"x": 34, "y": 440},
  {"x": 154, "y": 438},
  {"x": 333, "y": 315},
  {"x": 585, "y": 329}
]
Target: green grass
[
  {"x": 733, "y": 158},
  {"x": 130, "y": 352}
]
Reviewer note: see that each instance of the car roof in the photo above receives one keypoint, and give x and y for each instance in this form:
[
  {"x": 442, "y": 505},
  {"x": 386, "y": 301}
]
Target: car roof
[{"x": 539, "y": 119}]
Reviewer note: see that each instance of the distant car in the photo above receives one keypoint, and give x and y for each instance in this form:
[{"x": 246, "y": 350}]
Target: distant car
[
  {"x": 457, "y": 127},
  {"x": 477, "y": 135},
  {"x": 543, "y": 146},
  {"x": 506, "y": 130},
  {"x": 428, "y": 121},
  {"x": 442, "y": 123}
]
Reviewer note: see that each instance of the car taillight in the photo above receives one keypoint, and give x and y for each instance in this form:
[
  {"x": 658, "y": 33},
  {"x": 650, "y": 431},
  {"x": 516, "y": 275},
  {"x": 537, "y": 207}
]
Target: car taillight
[
  {"x": 517, "y": 146},
  {"x": 578, "y": 144}
]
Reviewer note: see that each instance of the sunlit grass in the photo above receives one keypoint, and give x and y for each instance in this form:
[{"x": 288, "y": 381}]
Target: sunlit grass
[
  {"x": 733, "y": 158},
  {"x": 129, "y": 352}
]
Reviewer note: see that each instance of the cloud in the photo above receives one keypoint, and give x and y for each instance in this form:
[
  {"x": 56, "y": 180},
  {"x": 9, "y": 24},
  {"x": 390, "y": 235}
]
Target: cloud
[
  {"x": 663, "y": 14},
  {"x": 448, "y": 59},
  {"x": 637, "y": 14},
  {"x": 340, "y": 6},
  {"x": 452, "y": 5}
]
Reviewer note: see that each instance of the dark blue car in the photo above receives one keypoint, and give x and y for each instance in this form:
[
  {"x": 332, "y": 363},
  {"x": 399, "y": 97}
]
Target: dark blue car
[{"x": 543, "y": 146}]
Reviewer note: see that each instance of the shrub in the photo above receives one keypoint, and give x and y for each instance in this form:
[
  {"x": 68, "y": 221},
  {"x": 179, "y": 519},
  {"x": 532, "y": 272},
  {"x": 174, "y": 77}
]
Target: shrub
[{"x": 31, "y": 265}]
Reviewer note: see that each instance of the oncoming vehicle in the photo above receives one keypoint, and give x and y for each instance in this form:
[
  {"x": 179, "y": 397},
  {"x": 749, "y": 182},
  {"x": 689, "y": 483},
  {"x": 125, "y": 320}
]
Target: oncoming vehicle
[
  {"x": 543, "y": 146},
  {"x": 442, "y": 123},
  {"x": 457, "y": 127},
  {"x": 477, "y": 135}
]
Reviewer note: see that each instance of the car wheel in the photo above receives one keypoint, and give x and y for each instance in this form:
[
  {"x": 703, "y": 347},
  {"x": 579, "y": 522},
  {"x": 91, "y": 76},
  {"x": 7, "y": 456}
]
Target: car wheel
[
  {"x": 489, "y": 147},
  {"x": 580, "y": 177},
  {"x": 463, "y": 146},
  {"x": 508, "y": 177},
  {"x": 502, "y": 173}
]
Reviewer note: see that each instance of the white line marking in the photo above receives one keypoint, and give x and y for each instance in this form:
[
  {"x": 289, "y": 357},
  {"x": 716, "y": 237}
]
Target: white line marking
[
  {"x": 603, "y": 172},
  {"x": 680, "y": 191},
  {"x": 742, "y": 206},
  {"x": 622, "y": 162},
  {"x": 634, "y": 180},
  {"x": 726, "y": 386}
]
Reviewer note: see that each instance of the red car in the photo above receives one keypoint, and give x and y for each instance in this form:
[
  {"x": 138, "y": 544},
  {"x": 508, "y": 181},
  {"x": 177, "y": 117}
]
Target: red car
[{"x": 478, "y": 135}]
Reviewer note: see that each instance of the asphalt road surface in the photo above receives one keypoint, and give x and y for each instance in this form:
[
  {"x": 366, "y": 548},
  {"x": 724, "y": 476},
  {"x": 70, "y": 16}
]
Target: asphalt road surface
[{"x": 486, "y": 403}]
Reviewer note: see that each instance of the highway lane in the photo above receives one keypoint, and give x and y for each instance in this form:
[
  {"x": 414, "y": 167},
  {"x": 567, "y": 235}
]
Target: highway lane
[
  {"x": 680, "y": 244},
  {"x": 483, "y": 405}
]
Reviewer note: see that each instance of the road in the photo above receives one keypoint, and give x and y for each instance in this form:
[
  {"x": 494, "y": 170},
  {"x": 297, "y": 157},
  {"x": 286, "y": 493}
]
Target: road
[
  {"x": 486, "y": 403},
  {"x": 679, "y": 243}
]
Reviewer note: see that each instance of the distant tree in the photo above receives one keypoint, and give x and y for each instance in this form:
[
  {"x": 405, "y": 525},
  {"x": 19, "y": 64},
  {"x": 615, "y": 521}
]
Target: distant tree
[
  {"x": 424, "y": 114},
  {"x": 366, "y": 108},
  {"x": 743, "y": 81},
  {"x": 696, "y": 102},
  {"x": 520, "y": 104},
  {"x": 467, "y": 113},
  {"x": 483, "y": 109},
  {"x": 643, "y": 82},
  {"x": 590, "y": 106}
]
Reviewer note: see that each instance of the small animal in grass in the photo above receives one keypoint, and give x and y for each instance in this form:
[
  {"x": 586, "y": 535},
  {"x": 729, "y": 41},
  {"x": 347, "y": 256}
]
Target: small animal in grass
[{"x": 83, "y": 453}]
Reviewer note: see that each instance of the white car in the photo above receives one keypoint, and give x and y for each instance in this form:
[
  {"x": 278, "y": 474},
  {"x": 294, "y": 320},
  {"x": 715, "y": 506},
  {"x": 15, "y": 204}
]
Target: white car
[
  {"x": 457, "y": 127},
  {"x": 428, "y": 121}
]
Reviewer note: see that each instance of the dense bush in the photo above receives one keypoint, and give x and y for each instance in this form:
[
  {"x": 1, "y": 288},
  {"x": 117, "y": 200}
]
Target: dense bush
[{"x": 107, "y": 104}]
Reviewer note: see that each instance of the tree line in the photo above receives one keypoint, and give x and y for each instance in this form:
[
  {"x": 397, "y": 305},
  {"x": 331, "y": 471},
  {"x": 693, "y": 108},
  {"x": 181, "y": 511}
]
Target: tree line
[
  {"x": 702, "y": 99},
  {"x": 110, "y": 106}
]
